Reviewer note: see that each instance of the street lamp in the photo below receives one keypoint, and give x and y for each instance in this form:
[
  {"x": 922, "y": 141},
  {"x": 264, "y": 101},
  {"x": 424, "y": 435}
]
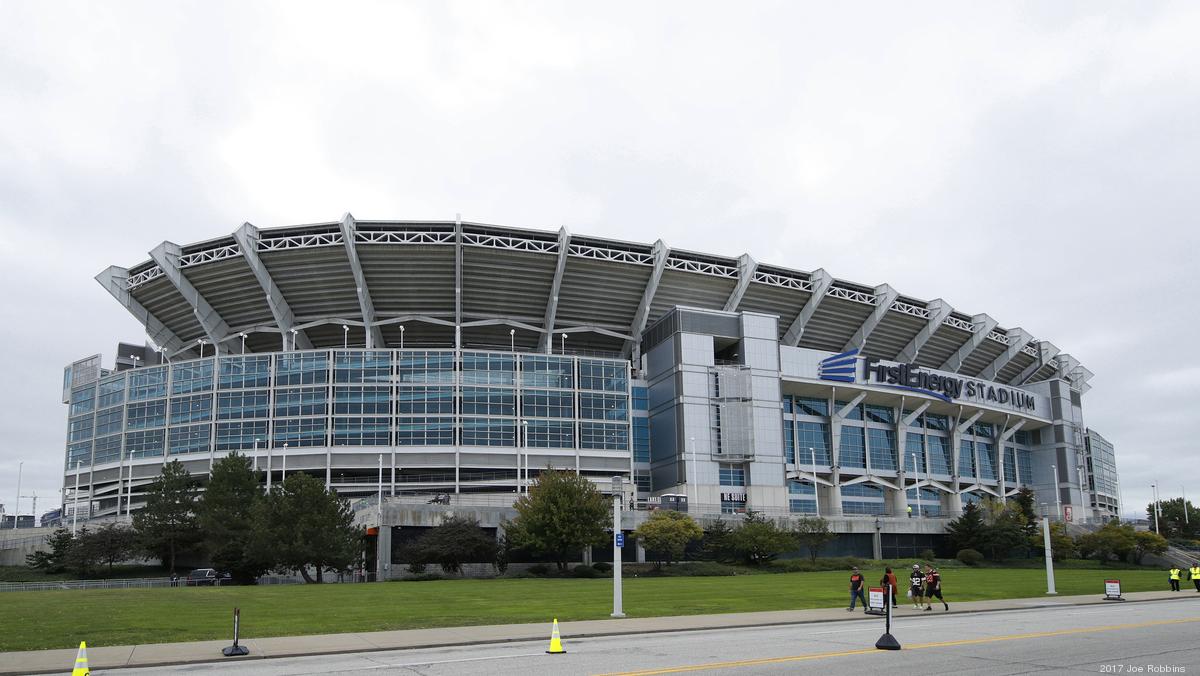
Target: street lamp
[
  {"x": 618, "y": 540},
  {"x": 917, "y": 483},
  {"x": 201, "y": 342},
  {"x": 401, "y": 336},
  {"x": 243, "y": 337},
  {"x": 812, "y": 455},
  {"x": 1154, "y": 497},
  {"x": 283, "y": 466},
  {"x": 692, "y": 481},
  {"x": 345, "y": 336},
  {"x": 294, "y": 332},
  {"x": 75, "y": 507},
  {"x": 17, "y": 505},
  {"x": 562, "y": 344},
  {"x": 512, "y": 340},
  {"x": 1057, "y": 495},
  {"x": 523, "y": 464}
]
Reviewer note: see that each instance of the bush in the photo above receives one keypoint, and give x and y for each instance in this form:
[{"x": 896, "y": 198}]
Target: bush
[
  {"x": 424, "y": 577},
  {"x": 538, "y": 569},
  {"x": 416, "y": 568},
  {"x": 928, "y": 555},
  {"x": 586, "y": 571},
  {"x": 969, "y": 557},
  {"x": 687, "y": 569},
  {"x": 822, "y": 564},
  {"x": 603, "y": 566}
]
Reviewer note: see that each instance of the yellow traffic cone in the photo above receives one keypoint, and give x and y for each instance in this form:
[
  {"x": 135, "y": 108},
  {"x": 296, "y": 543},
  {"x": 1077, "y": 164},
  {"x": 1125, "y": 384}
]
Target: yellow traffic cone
[
  {"x": 555, "y": 642},
  {"x": 81, "y": 667}
]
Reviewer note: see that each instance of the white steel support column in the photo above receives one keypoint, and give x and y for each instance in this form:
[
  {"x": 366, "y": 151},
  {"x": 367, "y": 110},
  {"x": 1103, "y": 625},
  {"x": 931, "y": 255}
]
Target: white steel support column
[
  {"x": 643, "y": 312},
  {"x": 1046, "y": 352},
  {"x": 885, "y": 295},
  {"x": 458, "y": 281},
  {"x": 983, "y": 326},
  {"x": 547, "y": 339},
  {"x": 938, "y": 311},
  {"x": 167, "y": 256},
  {"x": 1000, "y": 441},
  {"x": 746, "y": 268},
  {"x": 115, "y": 281},
  {"x": 835, "y": 439},
  {"x": 247, "y": 238},
  {"x": 374, "y": 335},
  {"x": 1017, "y": 340},
  {"x": 821, "y": 281}
]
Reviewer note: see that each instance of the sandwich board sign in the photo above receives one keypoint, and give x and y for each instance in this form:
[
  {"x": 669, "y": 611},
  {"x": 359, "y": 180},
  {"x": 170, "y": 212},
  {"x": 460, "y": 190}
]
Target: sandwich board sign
[
  {"x": 876, "y": 600},
  {"x": 1112, "y": 590}
]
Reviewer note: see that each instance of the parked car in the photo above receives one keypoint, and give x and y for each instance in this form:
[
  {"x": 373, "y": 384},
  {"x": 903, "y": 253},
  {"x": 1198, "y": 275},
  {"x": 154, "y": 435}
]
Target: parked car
[{"x": 207, "y": 577}]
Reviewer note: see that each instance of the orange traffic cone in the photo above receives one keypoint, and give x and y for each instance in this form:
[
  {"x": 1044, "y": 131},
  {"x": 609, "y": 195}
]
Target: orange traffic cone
[
  {"x": 81, "y": 667},
  {"x": 555, "y": 642}
]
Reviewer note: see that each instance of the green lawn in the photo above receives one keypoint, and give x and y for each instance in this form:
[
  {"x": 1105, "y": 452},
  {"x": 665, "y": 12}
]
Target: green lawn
[{"x": 61, "y": 619}]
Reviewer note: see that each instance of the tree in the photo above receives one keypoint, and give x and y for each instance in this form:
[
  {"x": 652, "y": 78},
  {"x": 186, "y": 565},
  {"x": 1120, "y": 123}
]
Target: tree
[
  {"x": 1171, "y": 522},
  {"x": 54, "y": 561},
  {"x": 301, "y": 525},
  {"x": 110, "y": 544},
  {"x": 1026, "y": 503},
  {"x": 226, "y": 518},
  {"x": 717, "y": 544},
  {"x": 167, "y": 525},
  {"x": 562, "y": 513},
  {"x": 1112, "y": 540},
  {"x": 666, "y": 534},
  {"x": 457, "y": 541},
  {"x": 968, "y": 531},
  {"x": 1062, "y": 545},
  {"x": 1004, "y": 534},
  {"x": 813, "y": 533},
  {"x": 1147, "y": 542},
  {"x": 758, "y": 540}
]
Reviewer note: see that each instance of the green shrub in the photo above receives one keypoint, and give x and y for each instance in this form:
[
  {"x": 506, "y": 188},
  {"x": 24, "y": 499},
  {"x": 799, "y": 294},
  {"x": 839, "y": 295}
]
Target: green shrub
[
  {"x": 969, "y": 557},
  {"x": 928, "y": 555},
  {"x": 424, "y": 577},
  {"x": 416, "y": 568},
  {"x": 538, "y": 569},
  {"x": 602, "y": 566},
  {"x": 586, "y": 571},
  {"x": 686, "y": 569}
]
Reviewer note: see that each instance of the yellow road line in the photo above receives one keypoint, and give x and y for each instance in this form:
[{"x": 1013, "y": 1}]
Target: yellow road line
[{"x": 916, "y": 646}]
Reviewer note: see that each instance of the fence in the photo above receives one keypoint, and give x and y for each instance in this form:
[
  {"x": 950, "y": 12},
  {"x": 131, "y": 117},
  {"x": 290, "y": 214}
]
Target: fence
[{"x": 131, "y": 583}]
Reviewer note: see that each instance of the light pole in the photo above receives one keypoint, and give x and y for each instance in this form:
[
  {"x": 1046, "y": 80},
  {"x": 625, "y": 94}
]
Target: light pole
[
  {"x": 135, "y": 359},
  {"x": 379, "y": 507},
  {"x": 17, "y": 504},
  {"x": 243, "y": 337},
  {"x": 294, "y": 332},
  {"x": 917, "y": 483},
  {"x": 1057, "y": 495},
  {"x": 345, "y": 337},
  {"x": 692, "y": 480},
  {"x": 268, "y": 464},
  {"x": 618, "y": 541},
  {"x": 401, "y": 336},
  {"x": 1182, "y": 496},
  {"x": 1049, "y": 557},
  {"x": 283, "y": 465},
  {"x": 75, "y": 506},
  {"x": 1154, "y": 497},
  {"x": 512, "y": 340},
  {"x": 562, "y": 344},
  {"x": 812, "y": 455},
  {"x": 523, "y": 459}
]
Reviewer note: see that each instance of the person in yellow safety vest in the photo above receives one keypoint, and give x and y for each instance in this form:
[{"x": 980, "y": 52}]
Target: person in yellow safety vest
[
  {"x": 1194, "y": 571},
  {"x": 1175, "y": 574}
]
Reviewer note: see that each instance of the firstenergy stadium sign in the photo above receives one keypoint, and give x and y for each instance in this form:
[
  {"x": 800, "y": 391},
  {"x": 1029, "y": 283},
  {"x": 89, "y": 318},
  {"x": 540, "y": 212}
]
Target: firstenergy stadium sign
[{"x": 844, "y": 367}]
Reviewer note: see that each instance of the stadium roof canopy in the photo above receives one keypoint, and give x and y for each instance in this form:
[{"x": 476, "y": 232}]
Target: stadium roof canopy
[{"x": 414, "y": 281}]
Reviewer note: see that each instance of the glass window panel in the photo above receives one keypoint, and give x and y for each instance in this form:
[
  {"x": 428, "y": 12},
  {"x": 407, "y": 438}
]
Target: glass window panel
[
  {"x": 547, "y": 404},
  {"x": 489, "y": 401},
  {"x": 238, "y": 373},
  {"x": 855, "y": 413},
  {"x": 605, "y": 376},
  {"x": 195, "y": 408},
  {"x": 488, "y": 432},
  {"x": 814, "y": 436},
  {"x": 1010, "y": 464},
  {"x": 787, "y": 404},
  {"x": 112, "y": 392},
  {"x": 369, "y": 367},
  {"x": 789, "y": 440},
  {"x": 147, "y": 414},
  {"x": 641, "y": 440},
  {"x": 80, "y": 452},
  {"x": 880, "y": 414},
  {"x": 145, "y": 444},
  {"x": 424, "y": 400},
  {"x": 431, "y": 368},
  {"x": 148, "y": 383},
  {"x": 606, "y": 436},
  {"x": 425, "y": 432},
  {"x": 192, "y": 376},
  {"x": 479, "y": 368},
  {"x": 241, "y": 435},
  {"x": 81, "y": 428},
  {"x": 302, "y": 368},
  {"x": 987, "y": 460},
  {"x": 301, "y": 401},
  {"x": 107, "y": 449},
  {"x": 361, "y": 401},
  {"x": 641, "y": 400},
  {"x": 110, "y": 421},
  {"x": 248, "y": 404},
  {"x": 547, "y": 371},
  {"x": 939, "y": 454},
  {"x": 361, "y": 431},
  {"x": 862, "y": 499},
  {"x": 883, "y": 448},
  {"x": 1021, "y": 438},
  {"x": 189, "y": 439},
  {"x": 593, "y": 406},
  {"x": 299, "y": 432},
  {"x": 812, "y": 406},
  {"x": 852, "y": 453},
  {"x": 83, "y": 400},
  {"x": 966, "y": 459},
  {"x": 549, "y": 433},
  {"x": 1025, "y": 465},
  {"x": 937, "y": 422},
  {"x": 732, "y": 475},
  {"x": 914, "y": 445}
]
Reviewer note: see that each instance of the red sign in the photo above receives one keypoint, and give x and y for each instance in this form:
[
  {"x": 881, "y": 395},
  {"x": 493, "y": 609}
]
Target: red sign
[{"x": 1067, "y": 512}]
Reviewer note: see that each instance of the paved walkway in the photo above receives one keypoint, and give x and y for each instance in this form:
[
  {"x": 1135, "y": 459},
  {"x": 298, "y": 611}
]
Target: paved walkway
[{"x": 104, "y": 657}]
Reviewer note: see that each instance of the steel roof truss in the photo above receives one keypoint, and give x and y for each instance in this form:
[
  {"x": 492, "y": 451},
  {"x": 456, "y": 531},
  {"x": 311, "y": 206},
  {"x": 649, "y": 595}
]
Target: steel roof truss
[
  {"x": 643, "y": 312},
  {"x": 821, "y": 282},
  {"x": 374, "y": 335},
  {"x": 747, "y": 266},
  {"x": 1016, "y": 339},
  {"x": 167, "y": 256},
  {"x": 115, "y": 280},
  {"x": 247, "y": 238},
  {"x": 885, "y": 295},
  {"x": 564, "y": 245},
  {"x": 938, "y": 310},
  {"x": 981, "y": 326}
]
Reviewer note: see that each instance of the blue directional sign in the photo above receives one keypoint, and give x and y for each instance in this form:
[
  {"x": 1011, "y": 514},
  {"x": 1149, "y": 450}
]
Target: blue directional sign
[{"x": 620, "y": 539}]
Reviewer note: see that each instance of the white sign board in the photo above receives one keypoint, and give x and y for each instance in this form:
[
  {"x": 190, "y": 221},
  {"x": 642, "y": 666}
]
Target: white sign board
[
  {"x": 1112, "y": 588},
  {"x": 876, "y": 599}
]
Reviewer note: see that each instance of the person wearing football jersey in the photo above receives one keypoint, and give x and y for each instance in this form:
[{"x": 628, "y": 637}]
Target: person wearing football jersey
[
  {"x": 933, "y": 587},
  {"x": 916, "y": 583}
]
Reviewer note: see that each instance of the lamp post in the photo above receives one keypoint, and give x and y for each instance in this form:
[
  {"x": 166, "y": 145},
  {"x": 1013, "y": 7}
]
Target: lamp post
[
  {"x": 201, "y": 343},
  {"x": 618, "y": 540},
  {"x": 75, "y": 506},
  {"x": 283, "y": 465},
  {"x": 1154, "y": 497},
  {"x": 379, "y": 506},
  {"x": 812, "y": 455},
  {"x": 692, "y": 480},
  {"x": 562, "y": 344},
  {"x": 512, "y": 340},
  {"x": 401, "y": 336},
  {"x": 268, "y": 464},
  {"x": 1057, "y": 495},
  {"x": 243, "y": 337},
  {"x": 917, "y": 483},
  {"x": 294, "y": 332},
  {"x": 1183, "y": 497},
  {"x": 523, "y": 459},
  {"x": 1049, "y": 557},
  {"x": 17, "y": 504},
  {"x": 345, "y": 337}
]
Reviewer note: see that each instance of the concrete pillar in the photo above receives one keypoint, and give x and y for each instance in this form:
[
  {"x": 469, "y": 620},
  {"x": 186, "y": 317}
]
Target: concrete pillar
[
  {"x": 831, "y": 501},
  {"x": 877, "y": 545},
  {"x": 641, "y": 553},
  {"x": 587, "y": 556},
  {"x": 898, "y": 500},
  {"x": 952, "y": 504},
  {"x": 383, "y": 553}
]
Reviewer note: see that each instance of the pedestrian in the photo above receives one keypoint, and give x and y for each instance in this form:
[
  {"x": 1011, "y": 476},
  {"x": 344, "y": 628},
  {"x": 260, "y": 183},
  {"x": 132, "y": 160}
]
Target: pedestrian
[
  {"x": 1194, "y": 572},
  {"x": 888, "y": 582},
  {"x": 1175, "y": 574},
  {"x": 916, "y": 580},
  {"x": 856, "y": 590},
  {"x": 933, "y": 587}
]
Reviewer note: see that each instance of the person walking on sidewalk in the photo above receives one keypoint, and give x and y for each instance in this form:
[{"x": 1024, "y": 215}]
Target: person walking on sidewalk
[
  {"x": 1194, "y": 572},
  {"x": 933, "y": 587},
  {"x": 856, "y": 590},
  {"x": 1175, "y": 574},
  {"x": 888, "y": 582},
  {"x": 916, "y": 581}
]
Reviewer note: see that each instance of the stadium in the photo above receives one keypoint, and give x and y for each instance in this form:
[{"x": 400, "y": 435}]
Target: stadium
[{"x": 415, "y": 359}]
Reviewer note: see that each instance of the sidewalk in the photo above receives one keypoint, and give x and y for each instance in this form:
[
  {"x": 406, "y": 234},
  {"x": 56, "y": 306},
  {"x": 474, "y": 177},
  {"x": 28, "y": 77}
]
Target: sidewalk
[{"x": 102, "y": 657}]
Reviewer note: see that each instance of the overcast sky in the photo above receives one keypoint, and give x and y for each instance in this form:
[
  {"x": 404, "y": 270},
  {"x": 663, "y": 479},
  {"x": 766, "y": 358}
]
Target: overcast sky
[{"x": 1037, "y": 162}]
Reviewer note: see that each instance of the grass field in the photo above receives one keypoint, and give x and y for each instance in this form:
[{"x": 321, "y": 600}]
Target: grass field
[{"x": 61, "y": 619}]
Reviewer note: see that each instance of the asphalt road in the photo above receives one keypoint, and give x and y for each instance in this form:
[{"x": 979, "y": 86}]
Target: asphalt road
[{"x": 1131, "y": 638}]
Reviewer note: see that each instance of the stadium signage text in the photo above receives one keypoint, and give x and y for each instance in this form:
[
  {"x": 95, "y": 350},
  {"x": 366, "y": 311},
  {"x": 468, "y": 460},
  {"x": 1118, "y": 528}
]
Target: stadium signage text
[{"x": 946, "y": 388}]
